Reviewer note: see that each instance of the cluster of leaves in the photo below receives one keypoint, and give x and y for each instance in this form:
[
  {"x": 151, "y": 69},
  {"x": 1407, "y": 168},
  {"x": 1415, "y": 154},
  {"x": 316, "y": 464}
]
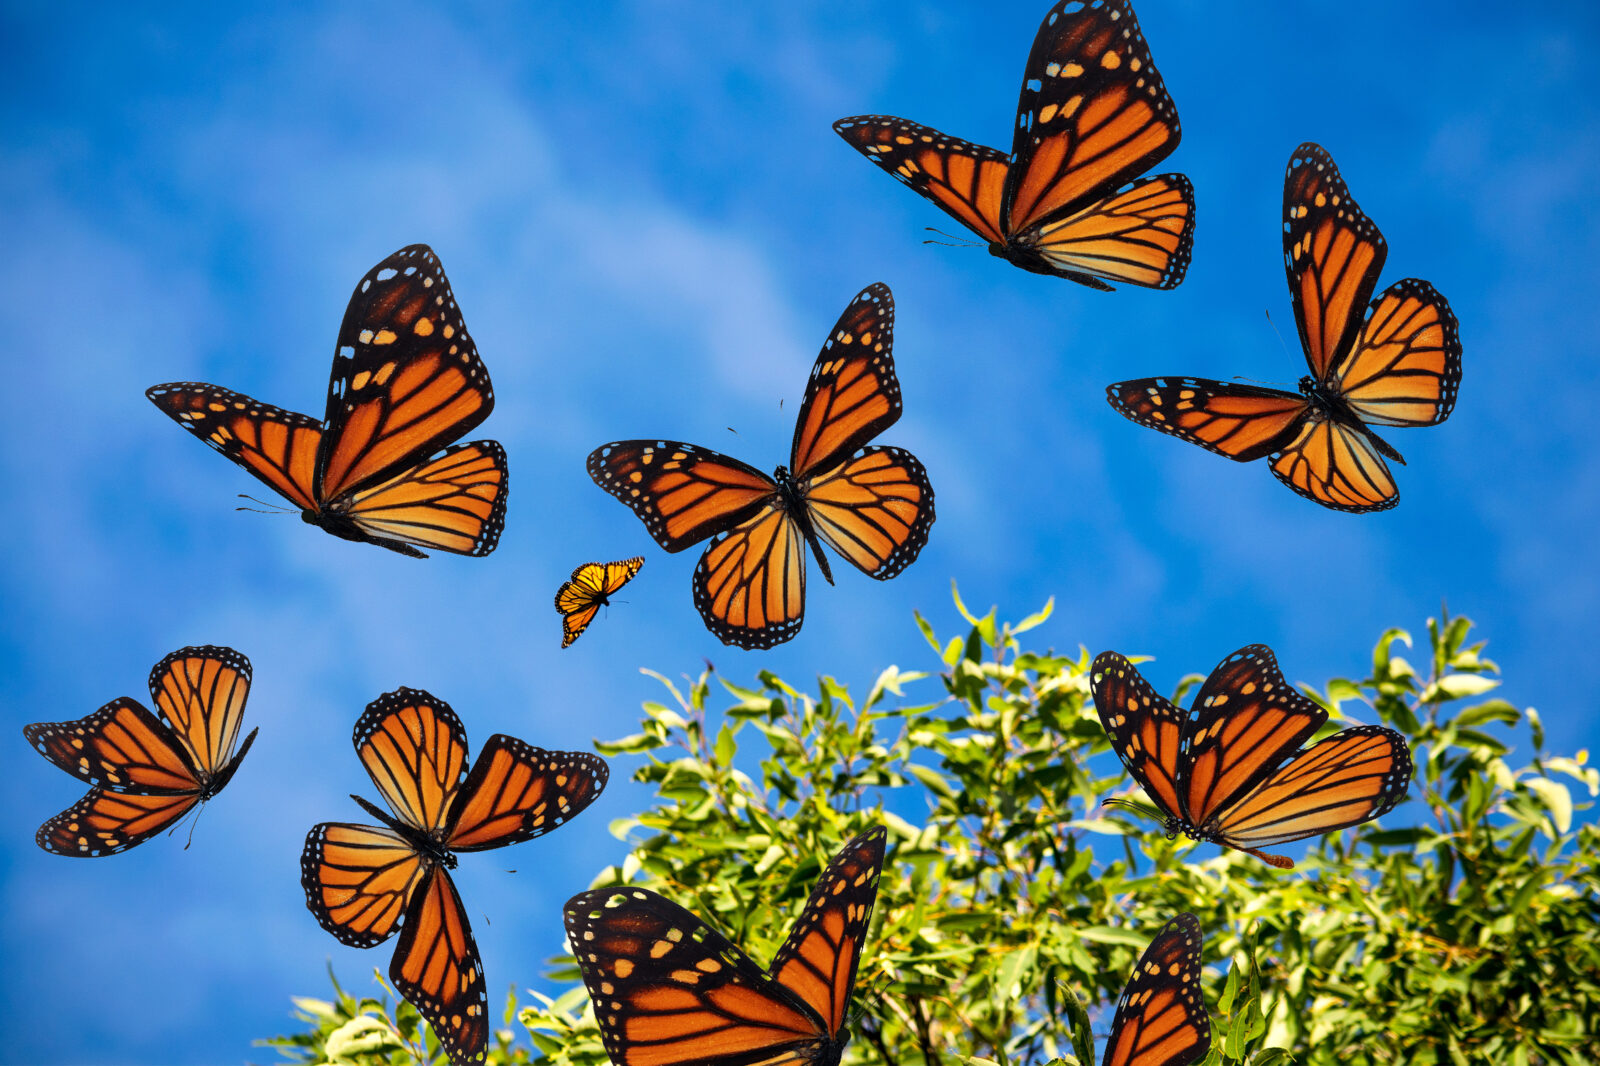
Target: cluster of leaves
[{"x": 1011, "y": 897}]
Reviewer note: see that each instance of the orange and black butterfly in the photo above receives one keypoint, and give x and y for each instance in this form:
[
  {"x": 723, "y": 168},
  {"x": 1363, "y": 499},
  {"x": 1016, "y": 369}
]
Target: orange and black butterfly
[
  {"x": 362, "y": 881},
  {"x": 589, "y": 590},
  {"x": 1231, "y": 771},
  {"x": 1094, "y": 114},
  {"x": 874, "y": 505},
  {"x": 669, "y": 990},
  {"x": 1398, "y": 364},
  {"x": 1161, "y": 1019},
  {"x": 406, "y": 381},
  {"x": 148, "y": 772}
]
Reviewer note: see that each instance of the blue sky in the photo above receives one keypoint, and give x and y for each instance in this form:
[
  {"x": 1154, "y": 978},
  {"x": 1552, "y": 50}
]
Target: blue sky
[{"x": 650, "y": 226}]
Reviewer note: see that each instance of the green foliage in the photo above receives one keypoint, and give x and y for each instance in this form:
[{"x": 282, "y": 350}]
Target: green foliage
[{"x": 1460, "y": 930}]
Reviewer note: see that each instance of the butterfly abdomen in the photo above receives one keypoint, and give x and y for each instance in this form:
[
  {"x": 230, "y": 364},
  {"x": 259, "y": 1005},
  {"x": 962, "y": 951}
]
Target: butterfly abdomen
[
  {"x": 795, "y": 504},
  {"x": 1329, "y": 404}
]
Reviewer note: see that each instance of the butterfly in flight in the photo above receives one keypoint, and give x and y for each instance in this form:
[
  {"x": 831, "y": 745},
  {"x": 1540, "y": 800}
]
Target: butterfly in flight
[
  {"x": 589, "y": 590},
  {"x": 1161, "y": 1019},
  {"x": 1230, "y": 770},
  {"x": 873, "y": 505},
  {"x": 1093, "y": 115},
  {"x": 361, "y": 881},
  {"x": 406, "y": 381},
  {"x": 669, "y": 990},
  {"x": 148, "y": 772},
  {"x": 1398, "y": 365}
]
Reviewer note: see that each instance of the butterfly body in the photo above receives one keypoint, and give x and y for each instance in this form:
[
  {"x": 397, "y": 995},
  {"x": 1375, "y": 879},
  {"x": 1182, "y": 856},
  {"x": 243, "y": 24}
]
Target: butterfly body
[
  {"x": 406, "y": 381},
  {"x": 1230, "y": 770},
  {"x": 1393, "y": 360},
  {"x": 872, "y": 504},
  {"x": 1093, "y": 114}
]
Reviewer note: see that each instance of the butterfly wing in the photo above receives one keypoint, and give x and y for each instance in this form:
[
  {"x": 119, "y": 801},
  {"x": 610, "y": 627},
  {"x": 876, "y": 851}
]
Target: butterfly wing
[
  {"x": 681, "y": 493},
  {"x": 1349, "y": 778},
  {"x": 454, "y": 502},
  {"x": 1146, "y": 730},
  {"x": 1243, "y": 422},
  {"x": 965, "y": 180},
  {"x": 516, "y": 792},
  {"x": 1246, "y": 721},
  {"x": 121, "y": 745},
  {"x": 415, "y": 750},
  {"x": 1161, "y": 1019},
  {"x": 853, "y": 394},
  {"x": 818, "y": 961},
  {"x": 669, "y": 990},
  {"x": 104, "y": 823},
  {"x": 358, "y": 880},
  {"x": 875, "y": 508},
  {"x": 406, "y": 376},
  {"x": 591, "y": 585},
  {"x": 1337, "y": 465},
  {"x": 279, "y": 447},
  {"x": 437, "y": 969},
  {"x": 1093, "y": 113},
  {"x": 1332, "y": 253},
  {"x": 1405, "y": 366},
  {"x": 750, "y": 585},
  {"x": 1141, "y": 235},
  {"x": 202, "y": 692}
]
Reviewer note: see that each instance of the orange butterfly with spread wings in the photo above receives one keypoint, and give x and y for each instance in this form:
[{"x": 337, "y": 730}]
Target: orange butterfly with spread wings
[
  {"x": 1161, "y": 1019},
  {"x": 1093, "y": 115},
  {"x": 361, "y": 881},
  {"x": 590, "y": 589},
  {"x": 406, "y": 381},
  {"x": 1399, "y": 365},
  {"x": 669, "y": 990},
  {"x": 148, "y": 772},
  {"x": 1230, "y": 771},
  {"x": 874, "y": 505}
]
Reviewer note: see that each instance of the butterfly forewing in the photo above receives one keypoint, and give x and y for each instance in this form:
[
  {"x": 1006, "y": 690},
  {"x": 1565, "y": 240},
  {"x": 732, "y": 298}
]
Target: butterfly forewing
[
  {"x": 455, "y": 502},
  {"x": 682, "y": 493},
  {"x": 818, "y": 961},
  {"x": 1161, "y": 1019},
  {"x": 1338, "y": 466},
  {"x": 358, "y": 880},
  {"x": 1146, "y": 730},
  {"x": 516, "y": 792},
  {"x": 1332, "y": 253},
  {"x": 750, "y": 585},
  {"x": 437, "y": 969},
  {"x": 415, "y": 749},
  {"x": 966, "y": 180},
  {"x": 1243, "y": 422},
  {"x": 202, "y": 692},
  {"x": 1245, "y": 721},
  {"x": 406, "y": 375},
  {"x": 1405, "y": 365},
  {"x": 1351, "y": 777},
  {"x": 852, "y": 394},
  {"x": 122, "y": 746},
  {"x": 105, "y": 822},
  {"x": 279, "y": 447},
  {"x": 1093, "y": 113},
  {"x": 875, "y": 509}
]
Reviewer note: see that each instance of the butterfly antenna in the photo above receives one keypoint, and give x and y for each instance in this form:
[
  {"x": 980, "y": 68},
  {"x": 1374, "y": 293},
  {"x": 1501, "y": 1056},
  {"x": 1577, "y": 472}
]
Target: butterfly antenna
[
  {"x": 265, "y": 508},
  {"x": 952, "y": 241}
]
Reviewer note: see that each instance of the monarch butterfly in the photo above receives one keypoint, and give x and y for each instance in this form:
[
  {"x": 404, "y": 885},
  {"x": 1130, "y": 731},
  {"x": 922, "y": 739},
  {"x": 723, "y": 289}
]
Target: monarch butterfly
[
  {"x": 406, "y": 380},
  {"x": 1161, "y": 1019},
  {"x": 1093, "y": 114},
  {"x": 669, "y": 990},
  {"x": 1219, "y": 771},
  {"x": 1398, "y": 366},
  {"x": 148, "y": 772},
  {"x": 874, "y": 506},
  {"x": 363, "y": 880},
  {"x": 590, "y": 589}
]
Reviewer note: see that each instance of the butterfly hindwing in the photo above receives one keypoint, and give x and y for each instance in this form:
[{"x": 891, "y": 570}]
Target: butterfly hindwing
[
  {"x": 750, "y": 584},
  {"x": 202, "y": 692},
  {"x": 106, "y": 822},
  {"x": 1161, "y": 1018},
  {"x": 1405, "y": 366},
  {"x": 966, "y": 180},
  {"x": 875, "y": 509},
  {"x": 406, "y": 375},
  {"x": 1141, "y": 235},
  {"x": 454, "y": 502},
  {"x": 279, "y": 447},
  {"x": 358, "y": 880},
  {"x": 1145, "y": 728},
  {"x": 516, "y": 792},
  {"x": 1338, "y": 465}
]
